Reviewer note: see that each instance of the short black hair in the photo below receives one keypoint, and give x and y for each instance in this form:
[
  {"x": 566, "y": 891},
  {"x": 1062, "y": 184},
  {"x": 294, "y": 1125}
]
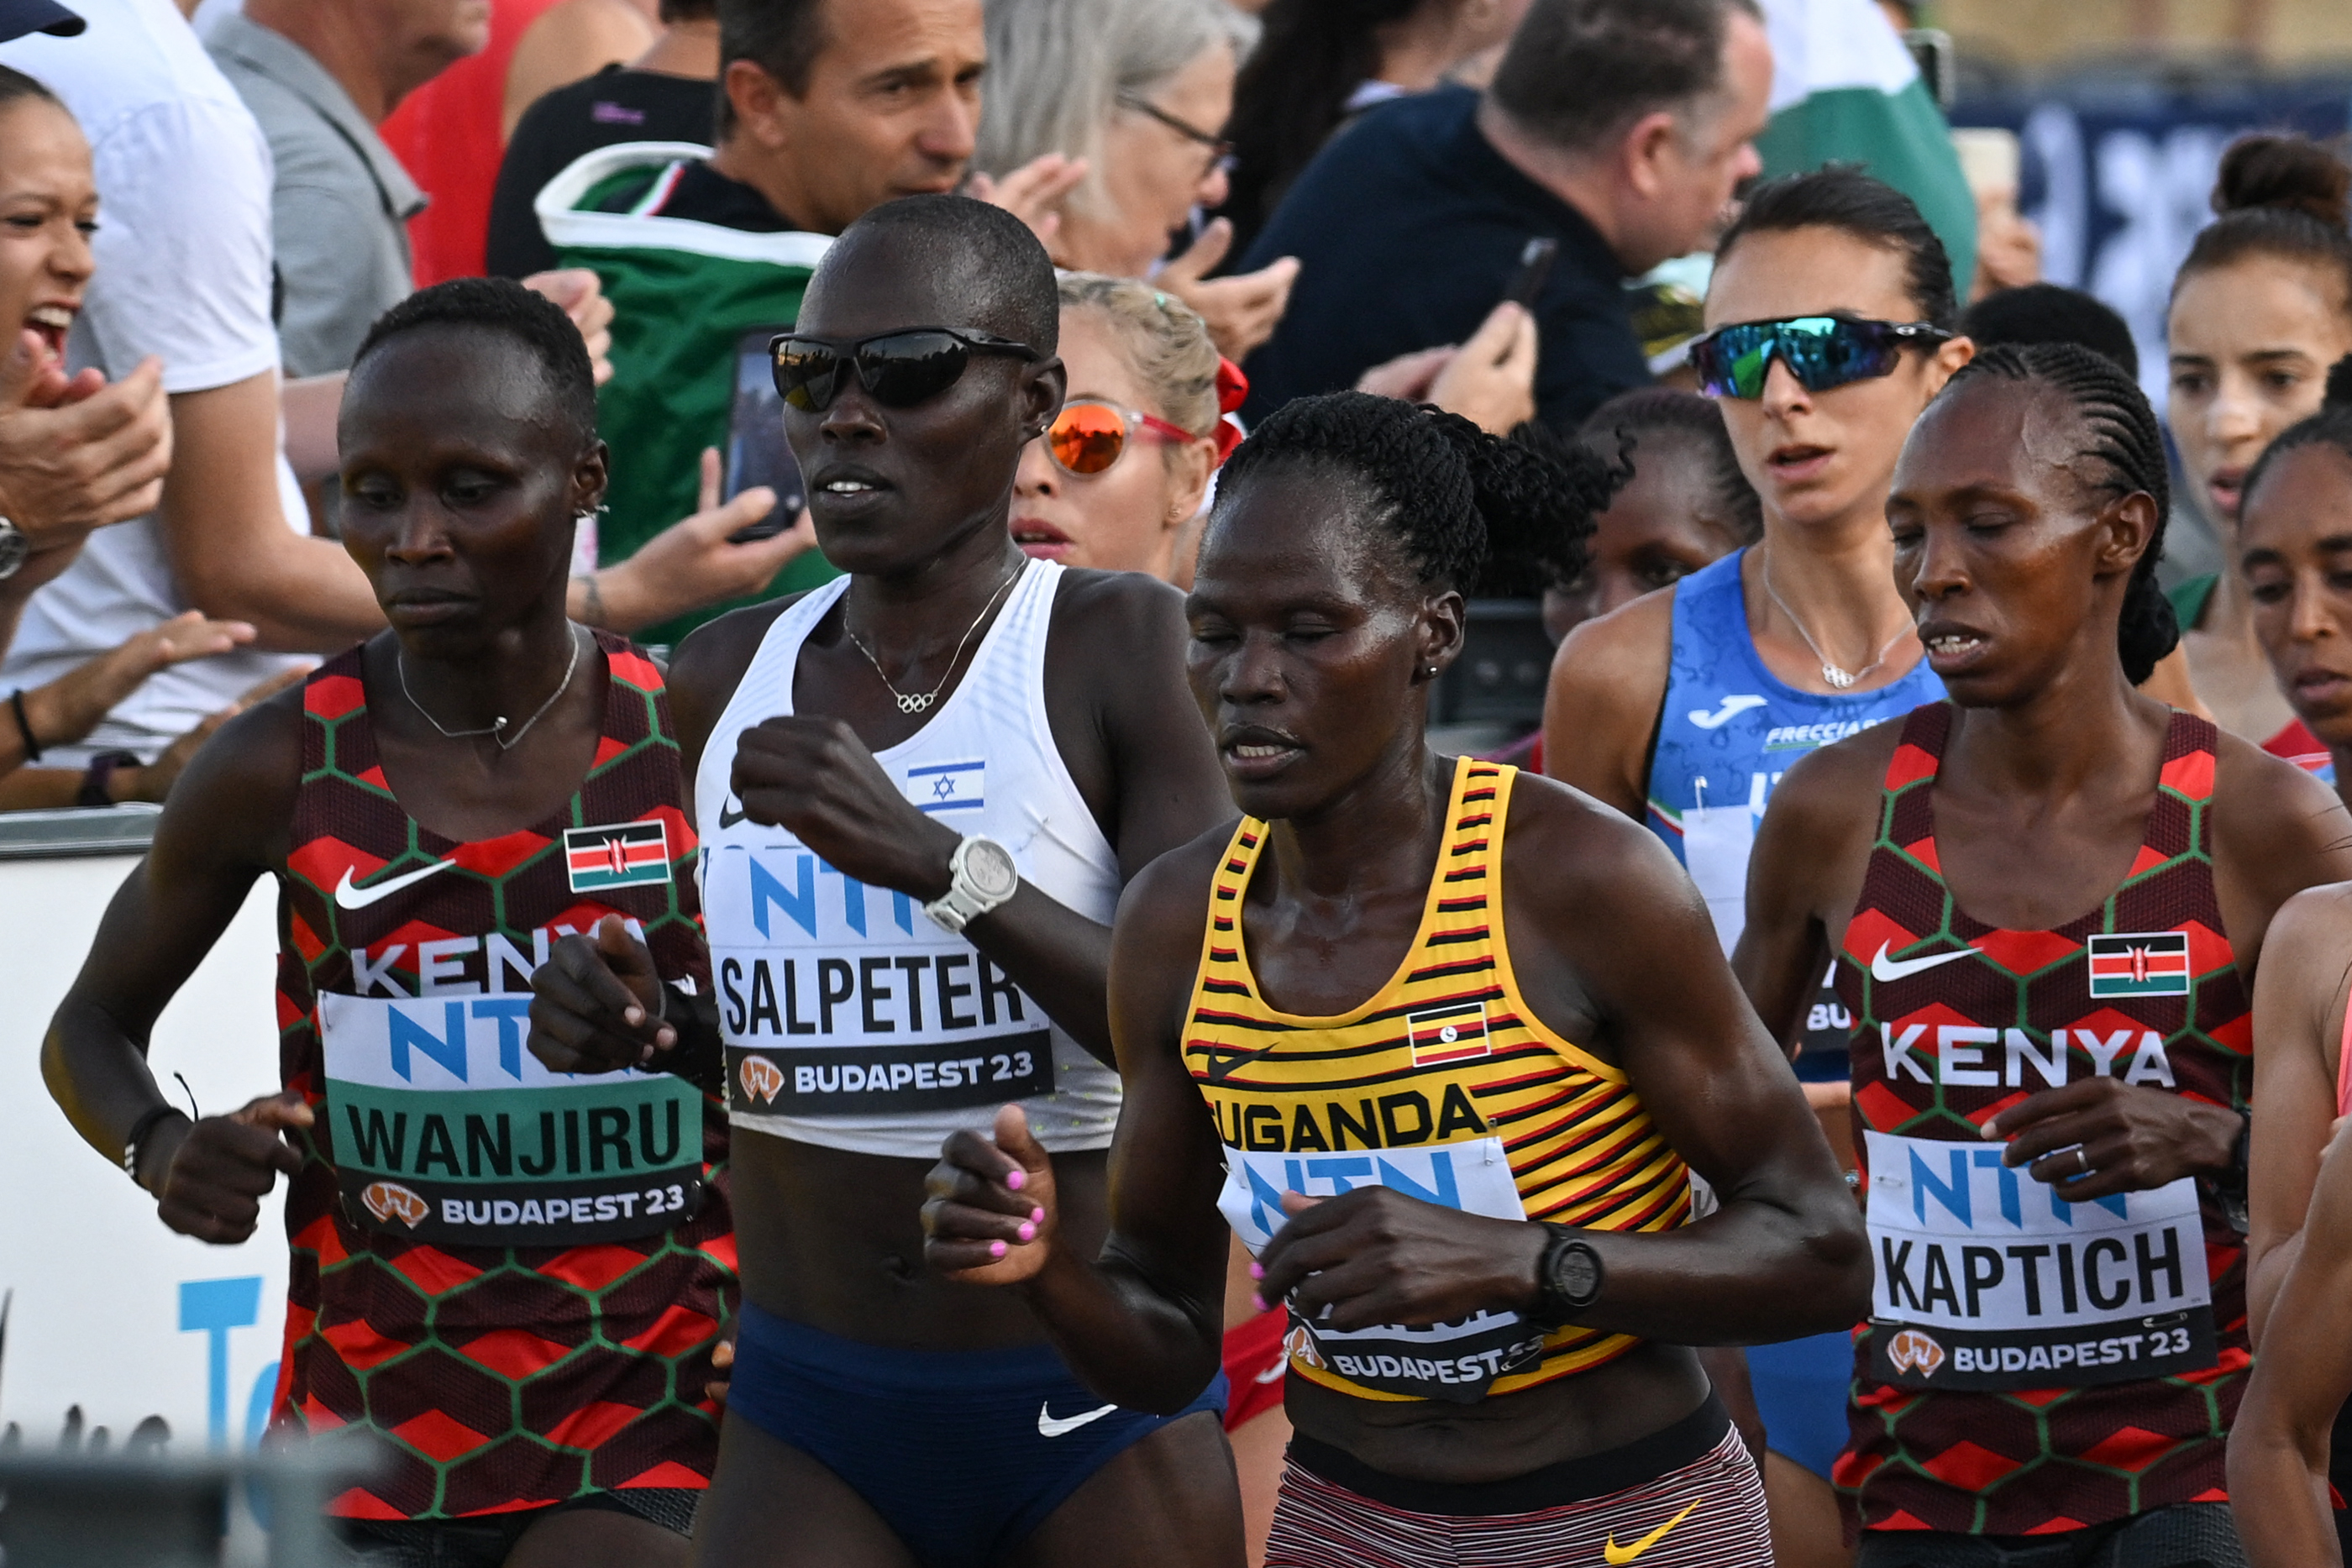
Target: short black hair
[
  {"x": 975, "y": 250},
  {"x": 1841, "y": 197},
  {"x": 1616, "y": 432},
  {"x": 673, "y": 12},
  {"x": 1468, "y": 510},
  {"x": 2127, "y": 441},
  {"x": 1579, "y": 71},
  {"x": 15, "y": 84},
  {"x": 782, "y": 38},
  {"x": 502, "y": 305},
  {"x": 2048, "y": 313},
  {"x": 2332, "y": 426}
]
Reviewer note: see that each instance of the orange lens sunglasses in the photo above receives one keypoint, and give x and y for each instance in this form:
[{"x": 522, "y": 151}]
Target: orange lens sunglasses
[{"x": 1087, "y": 437}]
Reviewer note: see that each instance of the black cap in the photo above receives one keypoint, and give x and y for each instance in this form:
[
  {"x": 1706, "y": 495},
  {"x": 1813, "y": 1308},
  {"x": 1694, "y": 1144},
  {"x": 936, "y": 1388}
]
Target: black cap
[{"x": 18, "y": 17}]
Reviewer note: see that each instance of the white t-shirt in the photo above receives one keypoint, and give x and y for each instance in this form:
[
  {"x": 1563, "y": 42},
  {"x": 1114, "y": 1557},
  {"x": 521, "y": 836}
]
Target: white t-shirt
[{"x": 184, "y": 273}]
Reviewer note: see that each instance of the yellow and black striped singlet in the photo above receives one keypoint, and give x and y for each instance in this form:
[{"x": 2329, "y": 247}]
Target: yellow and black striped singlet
[{"x": 1443, "y": 1085}]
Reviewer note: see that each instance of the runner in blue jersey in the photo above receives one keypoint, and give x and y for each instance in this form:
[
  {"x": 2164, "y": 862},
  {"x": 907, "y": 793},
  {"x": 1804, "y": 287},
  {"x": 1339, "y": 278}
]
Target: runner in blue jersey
[{"x": 1830, "y": 324}]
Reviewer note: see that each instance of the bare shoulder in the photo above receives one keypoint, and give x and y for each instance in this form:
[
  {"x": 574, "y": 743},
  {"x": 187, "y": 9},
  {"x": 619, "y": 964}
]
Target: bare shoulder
[
  {"x": 1110, "y": 609},
  {"x": 2314, "y": 927},
  {"x": 1839, "y": 784},
  {"x": 709, "y": 664},
  {"x": 1618, "y": 662},
  {"x": 2269, "y": 812},
  {"x": 1589, "y": 854},
  {"x": 234, "y": 805},
  {"x": 1171, "y": 895}
]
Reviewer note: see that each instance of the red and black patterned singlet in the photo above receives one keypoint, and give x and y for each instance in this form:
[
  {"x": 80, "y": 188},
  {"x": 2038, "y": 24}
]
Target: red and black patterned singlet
[
  {"x": 513, "y": 1277},
  {"x": 2033, "y": 1366}
]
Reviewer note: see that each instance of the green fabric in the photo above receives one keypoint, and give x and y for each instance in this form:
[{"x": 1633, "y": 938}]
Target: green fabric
[
  {"x": 2188, "y": 600},
  {"x": 1900, "y": 138},
  {"x": 678, "y": 313}
]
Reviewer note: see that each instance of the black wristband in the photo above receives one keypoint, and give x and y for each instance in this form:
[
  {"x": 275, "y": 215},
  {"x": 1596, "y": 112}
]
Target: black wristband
[
  {"x": 23, "y": 725},
  {"x": 94, "y": 788},
  {"x": 138, "y": 1138}
]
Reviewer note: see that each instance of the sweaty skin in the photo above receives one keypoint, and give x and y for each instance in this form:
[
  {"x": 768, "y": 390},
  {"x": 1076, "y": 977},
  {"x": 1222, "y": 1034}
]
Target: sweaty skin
[
  {"x": 1310, "y": 637},
  {"x": 460, "y": 485},
  {"x": 2047, "y": 780},
  {"x": 830, "y": 1238}
]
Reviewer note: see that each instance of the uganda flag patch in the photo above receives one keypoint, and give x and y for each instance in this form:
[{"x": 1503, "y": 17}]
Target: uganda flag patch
[
  {"x": 1456, "y": 1032},
  {"x": 625, "y": 854},
  {"x": 2140, "y": 964}
]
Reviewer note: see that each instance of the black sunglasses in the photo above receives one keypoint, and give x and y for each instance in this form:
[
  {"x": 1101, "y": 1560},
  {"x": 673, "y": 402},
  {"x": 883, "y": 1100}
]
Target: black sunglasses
[
  {"x": 1821, "y": 351},
  {"x": 898, "y": 369}
]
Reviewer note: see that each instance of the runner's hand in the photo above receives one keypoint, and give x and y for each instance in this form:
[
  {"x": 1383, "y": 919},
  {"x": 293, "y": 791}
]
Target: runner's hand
[
  {"x": 815, "y": 777},
  {"x": 1375, "y": 1256},
  {"x": 722, "y": 1360},
  {"x": 1240, "y": 311},
  {"x": 991, "y": 1217},
  {"x": 1033, "y": 192},
  {"x": 2132, "y": 1138},
  {"x": 595, "y": 1005},
  {"x": 214, "y": 1179}
]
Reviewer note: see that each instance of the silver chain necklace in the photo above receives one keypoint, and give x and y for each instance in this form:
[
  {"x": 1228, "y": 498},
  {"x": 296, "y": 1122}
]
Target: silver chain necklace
[
  {"x": 915, "y": 702},
  {"x": 1837, "y": 675},
  {"x": 492, "y": 729}
]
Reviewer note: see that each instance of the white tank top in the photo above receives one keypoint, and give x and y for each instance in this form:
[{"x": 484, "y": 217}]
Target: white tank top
[{"x": 851, "y": 1020}]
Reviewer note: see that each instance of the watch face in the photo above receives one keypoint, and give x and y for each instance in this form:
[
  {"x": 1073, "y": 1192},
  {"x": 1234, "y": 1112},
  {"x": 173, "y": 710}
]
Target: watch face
[
  {"x": 990, "y": 866},
  {"x": 1575, "y": 1274},
  {"x": 13, "y": 547}
]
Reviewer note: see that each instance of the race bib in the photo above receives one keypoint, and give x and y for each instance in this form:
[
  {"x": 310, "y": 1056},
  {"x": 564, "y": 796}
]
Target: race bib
[
  {"x": 446, "y": 1130},
  {"x": 1988, "y": 1279},
  {"x": 1452, "y": 1361},
  {"x": 840, "y": 1000}
]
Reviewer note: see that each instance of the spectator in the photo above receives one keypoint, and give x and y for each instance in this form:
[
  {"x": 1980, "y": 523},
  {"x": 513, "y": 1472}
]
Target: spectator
[
  {"x": 320, "y": 75},
  {"x": 1490, "y": 381},
  {"x": 665, "y": 94},
  {"x": 1139, "y": 91},
  {"x": 828, "y": 108},
  {"x": 570, "y": 40},
  {"x": 1118, "y": 479},
  {"x": 1617, "y": 128},
  {"x": 1323, "y": 63}
]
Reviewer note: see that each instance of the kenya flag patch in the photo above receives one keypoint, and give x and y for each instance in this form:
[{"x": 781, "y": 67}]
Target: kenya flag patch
[
  {"x": 2141, "y": 964},
  {"x": 625, "y": 854}
]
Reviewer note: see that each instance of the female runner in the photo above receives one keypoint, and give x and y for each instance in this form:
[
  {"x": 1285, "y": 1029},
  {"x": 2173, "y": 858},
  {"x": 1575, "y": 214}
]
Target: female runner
[
  {"x": 2046, "y": 899},
  {"x": 2292, "y": 544},
  {"x": 2261, "y": 308},
  {"x": 1456, "y": 1121}
]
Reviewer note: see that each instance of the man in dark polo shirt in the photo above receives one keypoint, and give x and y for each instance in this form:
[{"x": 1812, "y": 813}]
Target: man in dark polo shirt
[{"x": 1618, "y": 128}]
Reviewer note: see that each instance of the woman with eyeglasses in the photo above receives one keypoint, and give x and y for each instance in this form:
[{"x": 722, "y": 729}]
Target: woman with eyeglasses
[
  {"x": 1117, "y": 480},
  {"x": 921, "y": 789},
  {"x": 1830, "y": 324},
  {"x": 1140, "y": 90}
]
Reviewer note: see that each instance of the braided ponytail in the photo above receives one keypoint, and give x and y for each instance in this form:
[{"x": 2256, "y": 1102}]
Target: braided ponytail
[
  {"x": 1469, "y": 511},
  {"x": 2125, "y": 439}
]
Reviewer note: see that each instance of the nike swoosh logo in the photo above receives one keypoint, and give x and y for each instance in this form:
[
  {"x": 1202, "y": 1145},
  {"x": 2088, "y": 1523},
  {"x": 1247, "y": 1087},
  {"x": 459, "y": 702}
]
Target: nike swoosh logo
[
  {"x": 349, "y": 897},
  {"x": 1615, "y": 1554},
  {"x": 1276, "y": 1370},
  {"x": 728, "y": 819},
  {"x": 1051, "y": 1426},
  {"x": 1732, "y": 708},
  {"x": 1883, "y": 968}
]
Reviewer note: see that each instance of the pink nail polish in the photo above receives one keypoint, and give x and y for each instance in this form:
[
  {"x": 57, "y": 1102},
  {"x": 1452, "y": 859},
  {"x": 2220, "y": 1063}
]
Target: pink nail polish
[
  {"x": 1014, "y": 1178},
  {"x": 997, "y": 1249},
  {"x": 1258, "y": 1302},
  {"x": 1027, "y": 1232},
  {"x": 1258, "y": 1269},
  {"x": 1037, "y": 1215}
]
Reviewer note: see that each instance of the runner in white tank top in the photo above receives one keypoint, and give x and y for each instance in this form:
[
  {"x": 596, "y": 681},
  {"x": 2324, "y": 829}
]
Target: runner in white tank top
[{"x": 878, "y": 760}]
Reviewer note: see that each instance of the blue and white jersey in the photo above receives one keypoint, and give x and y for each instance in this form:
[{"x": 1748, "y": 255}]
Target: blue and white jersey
[{"x": 1730, "y": 729}]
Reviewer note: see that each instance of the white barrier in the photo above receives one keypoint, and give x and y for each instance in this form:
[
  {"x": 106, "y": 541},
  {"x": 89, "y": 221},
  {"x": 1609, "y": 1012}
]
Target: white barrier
[{"x": 111, "y": 1312}]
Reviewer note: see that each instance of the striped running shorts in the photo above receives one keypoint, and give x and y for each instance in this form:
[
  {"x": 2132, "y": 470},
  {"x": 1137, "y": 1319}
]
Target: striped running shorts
[{"x": 1687, "y": 1497}]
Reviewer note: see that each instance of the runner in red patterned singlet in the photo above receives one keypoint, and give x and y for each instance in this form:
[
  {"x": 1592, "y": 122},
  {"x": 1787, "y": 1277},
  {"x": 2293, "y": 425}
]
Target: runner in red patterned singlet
[
  {"x": 2047, "y": 898},
  {"x": 512, "y": 1277}
]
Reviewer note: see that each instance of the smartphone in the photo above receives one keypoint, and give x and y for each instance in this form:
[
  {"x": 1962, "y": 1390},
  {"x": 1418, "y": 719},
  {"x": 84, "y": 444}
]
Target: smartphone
[
  {"x": 1534, "y": 265},
  {"x": 757, "y": 453}
]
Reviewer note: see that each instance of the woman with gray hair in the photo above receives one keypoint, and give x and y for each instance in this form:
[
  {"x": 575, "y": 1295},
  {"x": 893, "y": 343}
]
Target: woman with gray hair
[{"x": 1140, "y": 90}]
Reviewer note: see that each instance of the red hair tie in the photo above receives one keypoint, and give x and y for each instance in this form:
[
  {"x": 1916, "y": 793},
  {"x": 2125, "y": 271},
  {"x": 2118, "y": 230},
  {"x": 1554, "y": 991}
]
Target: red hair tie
[{"x": 1233, "y": 387}]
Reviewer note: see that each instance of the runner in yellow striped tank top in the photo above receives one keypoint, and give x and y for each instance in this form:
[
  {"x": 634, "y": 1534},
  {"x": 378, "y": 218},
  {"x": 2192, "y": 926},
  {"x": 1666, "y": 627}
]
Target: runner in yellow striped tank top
[{"x": 1451, "y": 1120}]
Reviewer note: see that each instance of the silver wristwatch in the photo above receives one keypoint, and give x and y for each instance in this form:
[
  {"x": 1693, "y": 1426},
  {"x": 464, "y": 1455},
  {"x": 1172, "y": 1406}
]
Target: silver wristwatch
[
  {"x": 982, "y": 876},
  {"x": 15, "y": 546}
]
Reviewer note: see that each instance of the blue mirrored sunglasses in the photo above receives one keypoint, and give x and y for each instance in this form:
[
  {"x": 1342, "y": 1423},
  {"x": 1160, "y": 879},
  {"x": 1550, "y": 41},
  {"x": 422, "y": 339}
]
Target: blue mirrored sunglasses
[{"x": 1821, "y": 351}]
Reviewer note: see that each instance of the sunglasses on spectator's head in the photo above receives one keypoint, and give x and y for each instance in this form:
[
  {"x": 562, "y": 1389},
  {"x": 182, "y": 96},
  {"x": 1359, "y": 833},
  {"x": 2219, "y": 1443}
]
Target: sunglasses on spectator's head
[
  {"x": 1821, "y": 351},
  {"x": 1089, "y": 435},
  {"x": 898, "y": 369}
]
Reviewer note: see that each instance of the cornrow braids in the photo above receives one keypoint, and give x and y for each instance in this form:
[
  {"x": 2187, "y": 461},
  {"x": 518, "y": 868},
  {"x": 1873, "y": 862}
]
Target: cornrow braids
[
  {"x": 2126, "y": 440},
  {"x": 1469, "y": 511},
  {"x": 1671, "y": 422},
  {"x": 2332, "y": 424}
]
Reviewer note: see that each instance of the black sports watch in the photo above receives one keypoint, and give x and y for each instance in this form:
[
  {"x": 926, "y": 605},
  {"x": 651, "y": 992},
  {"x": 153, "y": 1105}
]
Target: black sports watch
[{"x": 1569, "y": 1278}]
